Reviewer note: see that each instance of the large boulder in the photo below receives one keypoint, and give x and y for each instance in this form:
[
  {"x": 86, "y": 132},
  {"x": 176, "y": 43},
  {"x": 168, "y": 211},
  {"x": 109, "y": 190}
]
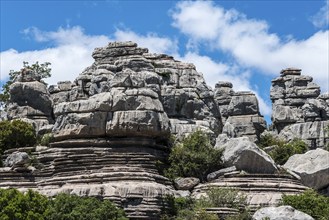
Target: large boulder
[
  {"x": 17, "y": 159},
  {"x": 280, "y": 213},
  {"x": 245, "y": 155},
  {"x": 187, "y": 183},
  {"x": 312, "y": 167}
]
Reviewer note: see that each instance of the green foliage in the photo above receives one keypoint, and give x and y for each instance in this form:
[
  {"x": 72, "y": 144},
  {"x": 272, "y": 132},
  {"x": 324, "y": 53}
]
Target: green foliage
[
  {"x": 187, "y": 208},
  {"x": 19, "y": 206},
  {"x": 15, "y": 134},
  {"x": 46, "y": 139},
  {"x": 282, "y": 150},
  {"x": 228, "y": 197},
  {"x": 41, "y": 71},
  {"x": 73, "y": 207},
  {"x": 31, "y": 205},
  {"x": 193, "y": 157},
  {"x": 269, "y": 140},
  {"x": 310, "y": 202},
  {"x": 281, "y": 153}
]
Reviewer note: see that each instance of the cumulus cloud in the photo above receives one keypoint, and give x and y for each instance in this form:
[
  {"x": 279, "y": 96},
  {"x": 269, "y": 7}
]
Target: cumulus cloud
[
  {"x": 72, "y": 49},
  {"x": 321, "y": 18},
  {"x": 250, "y": 42}
]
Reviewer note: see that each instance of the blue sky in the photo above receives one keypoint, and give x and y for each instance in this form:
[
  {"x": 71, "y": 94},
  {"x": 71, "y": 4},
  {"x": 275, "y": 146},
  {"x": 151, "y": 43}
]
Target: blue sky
[{"x": 245, "y": 42}]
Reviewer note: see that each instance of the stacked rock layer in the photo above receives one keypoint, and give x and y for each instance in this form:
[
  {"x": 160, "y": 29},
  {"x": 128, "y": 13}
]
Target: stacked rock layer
[{"x": 299, "y": 111}]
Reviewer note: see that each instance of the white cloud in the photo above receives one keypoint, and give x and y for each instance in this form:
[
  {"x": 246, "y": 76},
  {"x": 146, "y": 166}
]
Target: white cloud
[
  {"x": 321, "y": 18},
  {"x": 72, "y": 50},
  {"x": 152, "y": 41},
  {"x": 250, "y": 42}
]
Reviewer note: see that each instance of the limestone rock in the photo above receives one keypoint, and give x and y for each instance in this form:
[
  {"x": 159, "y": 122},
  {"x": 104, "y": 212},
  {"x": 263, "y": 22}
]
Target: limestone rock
[
  {"x": 314, "y": 134},
  {"x": 17, "y": 159},
  {"x": 245, "y": 155},
  {"x": 281, "y": 213},
  {"x": 240, "y": 112},
  {"x": 221, "y": 172},
  {"x": 187, "y": 183},
  {"x": 312, "y": 167}
]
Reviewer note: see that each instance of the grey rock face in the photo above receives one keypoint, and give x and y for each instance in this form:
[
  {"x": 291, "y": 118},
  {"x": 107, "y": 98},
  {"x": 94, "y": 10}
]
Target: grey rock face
[
  {"x": 240, "y": 112},
  {"x": 298, "y": 105},
  {"x": 30, "y": 100},
  {"x": 280, "y": 213},
  {"x": 187, "y": 183},
  {"x": 312, "y": 167},
  {"x": 218, "y": 173},
  {"x": 17, "y": 159},
  {"x": 245, "y": 155}
]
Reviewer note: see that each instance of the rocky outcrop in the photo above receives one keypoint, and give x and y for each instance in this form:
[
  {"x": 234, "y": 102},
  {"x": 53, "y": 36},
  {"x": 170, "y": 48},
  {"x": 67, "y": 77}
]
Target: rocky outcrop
[
  {"x": 187, "y": 183},
  {"x": 280, "y": 213},
  {"x": 298, "y": 108},
  {"x": 312, "y": 167},
  {"x": 31, "y": 101},
  {"x": 245, "y": 155},
  {"x": 240, "y": 112},
  {"x": 261, "y": 190}
]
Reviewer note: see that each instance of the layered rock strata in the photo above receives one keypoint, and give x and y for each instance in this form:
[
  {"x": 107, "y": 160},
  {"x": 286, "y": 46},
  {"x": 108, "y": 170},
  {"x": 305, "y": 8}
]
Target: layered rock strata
[
  {"x": 239, "y": 111},
  {"x": 261, "y": 189},
  {"x": 299, "y": 111},
  {"x": 112, "y": 126}
]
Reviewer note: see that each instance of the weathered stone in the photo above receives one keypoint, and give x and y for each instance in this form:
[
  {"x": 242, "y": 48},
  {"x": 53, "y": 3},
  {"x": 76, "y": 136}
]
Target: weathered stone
[
  {"x": 17, "y": 159},
  {"x": 187, "y": 183},
  {"x": 312, "y": 167},
  {"x": 245, "y": 155},
  {"x": 314, "y": 134},
  {"x": 243, "y": 103},
  {"x": 221, "y": 172},
  {"x": 280, "y": 213}
]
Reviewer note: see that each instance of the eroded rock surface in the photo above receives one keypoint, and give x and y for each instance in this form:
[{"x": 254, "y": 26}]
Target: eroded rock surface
[
  {"x": 240, "y": 112},
  {"x": 299, "y": 111},
  {"x": 280, "y": 213},
  {"x": 312, "y": 167}
]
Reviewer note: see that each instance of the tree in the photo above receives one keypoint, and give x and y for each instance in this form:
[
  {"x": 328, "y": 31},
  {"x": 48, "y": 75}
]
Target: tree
[
  {"x": 20, "y": 206},
  {"x": 36, "y": 71},
  {"x": 194, "y": 157},
  {"x": 15, "y": 134},
  {"x": 73, "y": 207}
]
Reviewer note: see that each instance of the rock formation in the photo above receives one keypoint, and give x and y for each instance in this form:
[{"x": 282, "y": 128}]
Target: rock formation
[
  {"x": 112, "y": 126},
  {"x": 299, "y": 111},
  {"x": 280, "y": 213},
  {"x": 312, "y": 167},
  {"x": 239, "y": 111}
]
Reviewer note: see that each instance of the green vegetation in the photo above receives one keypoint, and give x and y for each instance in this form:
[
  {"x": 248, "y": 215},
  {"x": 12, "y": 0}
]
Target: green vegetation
[
  {"x": 34, "y": 206},
  {"x": 73, "y": 207},
  {"x": 46, "y": 139},
  {"x": 282, "y": 150},
  {"x": 195, "y": 209},
  {"x": 310, "y": 202},
  {"x": 15, "y": 134},
  {"x": 41, "y": 71},
  {"x": 194, "y": 157}
]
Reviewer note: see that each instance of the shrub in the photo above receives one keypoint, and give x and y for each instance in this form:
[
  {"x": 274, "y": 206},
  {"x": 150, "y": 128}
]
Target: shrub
[
  {"x": 187, "y": 208},
  {"x": 193, "y": 157},
  {"x": 309, "y": 202},
  {"x": 281, "y": 153},
  {"x": 46, "y": 139},
  {"x": 34, "y": 206},
  {"x": 19, "y": 206},
  {"x": 73, "y": 207},
  {"x": 15, "y": 134},
  {"x": 282, "y": 150}
]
